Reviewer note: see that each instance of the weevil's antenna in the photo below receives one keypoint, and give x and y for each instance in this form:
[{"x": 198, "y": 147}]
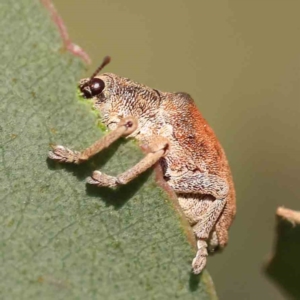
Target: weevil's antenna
[{"x": 106, "y": 60}]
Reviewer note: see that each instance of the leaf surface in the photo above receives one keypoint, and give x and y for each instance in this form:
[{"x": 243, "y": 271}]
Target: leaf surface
[{"x": 59, "y": 238}]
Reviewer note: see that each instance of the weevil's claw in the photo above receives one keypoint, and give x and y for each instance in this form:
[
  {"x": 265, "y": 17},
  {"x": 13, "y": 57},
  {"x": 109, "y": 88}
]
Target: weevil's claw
[
  {"x": 100, "y": 179},
  {"x": 91, "y": 180}
]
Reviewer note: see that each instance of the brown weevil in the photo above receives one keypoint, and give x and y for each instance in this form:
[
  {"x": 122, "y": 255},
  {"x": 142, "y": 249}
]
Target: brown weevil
[{"x": 178, "y": 138}]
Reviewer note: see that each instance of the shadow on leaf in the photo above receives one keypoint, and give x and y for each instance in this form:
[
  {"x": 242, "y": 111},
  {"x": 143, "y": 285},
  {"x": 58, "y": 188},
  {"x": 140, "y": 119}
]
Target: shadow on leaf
[
  {"x": 85, "y": 169},
  {"x": 194, "y": 281},
  {"x": 119, "y": 196},
  {"x": 116, "y": 197}
]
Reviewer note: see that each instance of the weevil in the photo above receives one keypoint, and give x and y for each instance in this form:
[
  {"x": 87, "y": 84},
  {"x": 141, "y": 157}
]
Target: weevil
[{"x": 177, "y": 137}]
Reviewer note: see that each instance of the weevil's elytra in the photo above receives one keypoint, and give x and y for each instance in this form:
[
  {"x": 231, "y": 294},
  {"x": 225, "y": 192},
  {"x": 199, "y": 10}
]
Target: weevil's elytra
[{"x": 177, "y": 137}]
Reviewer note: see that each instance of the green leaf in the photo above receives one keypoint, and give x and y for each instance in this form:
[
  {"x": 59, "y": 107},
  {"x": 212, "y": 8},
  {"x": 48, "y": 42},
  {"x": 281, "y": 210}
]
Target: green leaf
[
  {"x": 283, "y": 267},
  {"x": 59, "y": 238}
]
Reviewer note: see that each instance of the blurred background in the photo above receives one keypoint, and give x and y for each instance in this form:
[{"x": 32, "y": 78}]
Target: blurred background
[{"x": 240, "y": 61}]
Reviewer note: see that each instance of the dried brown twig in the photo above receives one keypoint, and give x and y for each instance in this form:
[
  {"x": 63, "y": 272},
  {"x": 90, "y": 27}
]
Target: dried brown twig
[{"x": 68, "y": 44}]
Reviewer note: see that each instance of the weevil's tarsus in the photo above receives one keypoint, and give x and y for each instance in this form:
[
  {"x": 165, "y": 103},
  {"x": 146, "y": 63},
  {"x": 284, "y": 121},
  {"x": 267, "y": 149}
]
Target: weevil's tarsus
[
  {"x": 63, "y": 154},
  {"x": 199, "y": 261},
  {"x": 100, "y": 179}
]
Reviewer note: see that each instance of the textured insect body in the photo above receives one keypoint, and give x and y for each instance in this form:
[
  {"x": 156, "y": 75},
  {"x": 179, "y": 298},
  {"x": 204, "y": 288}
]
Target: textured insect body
[{"x": 177, "y": 137}]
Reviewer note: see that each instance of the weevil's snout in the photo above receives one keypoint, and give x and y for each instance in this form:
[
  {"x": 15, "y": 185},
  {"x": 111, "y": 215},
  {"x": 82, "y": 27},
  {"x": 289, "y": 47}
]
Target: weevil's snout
[{"x": 91, "y": 88}]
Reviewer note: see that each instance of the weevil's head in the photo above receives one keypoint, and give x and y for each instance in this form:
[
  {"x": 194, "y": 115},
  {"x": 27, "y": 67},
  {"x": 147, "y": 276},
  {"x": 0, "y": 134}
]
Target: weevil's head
[{"x": 117, "y": 97}]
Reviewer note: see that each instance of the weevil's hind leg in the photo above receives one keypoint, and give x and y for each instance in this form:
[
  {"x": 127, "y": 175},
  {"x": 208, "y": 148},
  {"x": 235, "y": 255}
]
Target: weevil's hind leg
[
  {"x": 208, "y": 219},
  {"x": 212, "y": 227},
  {"x": 202, "y": 230},
  {"x": 62, "y": 154},
  {"x": 213, "y": 242},
  {"x": 222, "y": 233},
  {"x": 218, "y": 238},
  {"x": 204, "y": 247},
  {"x": 204, "y": 197},
  {"x": 157, "y": 147},
  {"x": 224, "y": 223}
]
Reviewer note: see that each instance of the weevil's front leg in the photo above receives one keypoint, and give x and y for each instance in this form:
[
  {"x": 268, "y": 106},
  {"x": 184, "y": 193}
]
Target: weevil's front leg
[
  {"x": 157, "y": 147},
  {"x": 62, "y": 154}
]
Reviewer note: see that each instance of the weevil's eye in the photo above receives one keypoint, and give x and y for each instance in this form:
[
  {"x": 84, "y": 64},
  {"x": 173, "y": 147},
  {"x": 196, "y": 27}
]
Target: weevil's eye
[{"x": 93, "y": 88}]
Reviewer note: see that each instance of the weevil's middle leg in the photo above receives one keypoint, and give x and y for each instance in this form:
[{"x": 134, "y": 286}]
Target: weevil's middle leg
[
  {"x": 157, "y": 147},
  {"x": 62, "y": 154}
]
